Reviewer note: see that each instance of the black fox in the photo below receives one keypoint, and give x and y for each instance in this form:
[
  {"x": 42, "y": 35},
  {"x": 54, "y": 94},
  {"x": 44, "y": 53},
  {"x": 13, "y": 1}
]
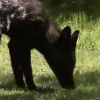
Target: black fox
[{"x": 30, "y": 28}]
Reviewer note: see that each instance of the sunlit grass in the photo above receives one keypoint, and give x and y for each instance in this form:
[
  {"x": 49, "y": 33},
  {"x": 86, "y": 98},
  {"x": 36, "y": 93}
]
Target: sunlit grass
[{"x": 86, "y": 73}]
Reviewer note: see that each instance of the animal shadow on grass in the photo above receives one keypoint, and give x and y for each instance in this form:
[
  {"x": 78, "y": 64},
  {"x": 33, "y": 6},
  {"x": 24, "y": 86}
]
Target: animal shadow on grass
[
  {"x": 9, "y": 84},
  {"x": 17, "y": 96},
  {"x": 48, "y": 82},
  {"x": 91, "y": 79},
  {"x": 6, "y": 83},
  {"x": 51, "y": 85}
]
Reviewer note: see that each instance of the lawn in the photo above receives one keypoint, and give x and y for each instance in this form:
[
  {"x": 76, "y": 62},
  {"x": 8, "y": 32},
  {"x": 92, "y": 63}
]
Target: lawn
[{"x": 86, "y": 73}]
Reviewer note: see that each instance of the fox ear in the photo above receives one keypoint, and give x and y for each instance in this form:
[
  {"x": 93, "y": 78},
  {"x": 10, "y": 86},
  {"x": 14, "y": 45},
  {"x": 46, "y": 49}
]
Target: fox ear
[
  {"x": 65, "y": 35},
  {"x": 74, "y": 38}
]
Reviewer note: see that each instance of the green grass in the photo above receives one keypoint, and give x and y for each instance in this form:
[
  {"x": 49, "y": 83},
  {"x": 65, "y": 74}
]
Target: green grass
[{"x": 86, "y": 73}]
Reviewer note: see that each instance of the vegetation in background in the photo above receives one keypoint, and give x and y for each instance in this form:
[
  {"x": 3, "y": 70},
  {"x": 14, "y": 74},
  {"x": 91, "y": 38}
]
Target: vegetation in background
[{"x": 79, "y": 14}]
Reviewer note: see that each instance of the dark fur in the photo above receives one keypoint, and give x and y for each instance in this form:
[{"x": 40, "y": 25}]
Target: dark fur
[
  {"x": 18, "y": 8},
  {"x": 31, "y": 28}
]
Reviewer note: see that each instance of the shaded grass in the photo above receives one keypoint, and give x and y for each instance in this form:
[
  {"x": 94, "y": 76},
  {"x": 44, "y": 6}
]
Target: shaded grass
[{"x": 86, "y": 73}]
